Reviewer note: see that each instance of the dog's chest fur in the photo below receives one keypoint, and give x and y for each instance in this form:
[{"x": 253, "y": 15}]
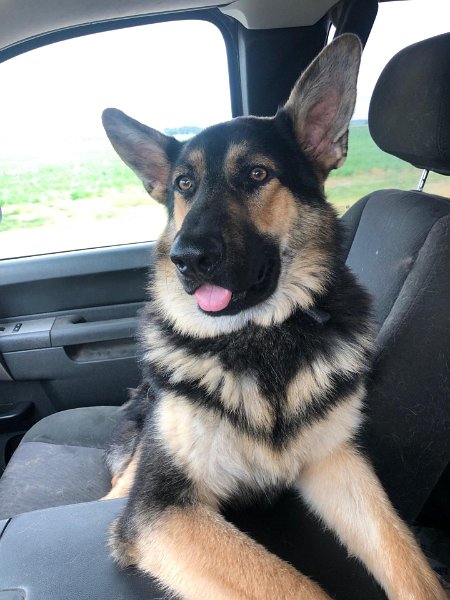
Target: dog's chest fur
[
  {"x": 224, "y": 463},
  {"x": 245, "y": 412}
]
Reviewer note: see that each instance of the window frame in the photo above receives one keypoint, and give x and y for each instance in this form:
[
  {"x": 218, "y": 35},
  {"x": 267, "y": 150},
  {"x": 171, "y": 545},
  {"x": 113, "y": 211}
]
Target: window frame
[{"x": 226, "y": 26}]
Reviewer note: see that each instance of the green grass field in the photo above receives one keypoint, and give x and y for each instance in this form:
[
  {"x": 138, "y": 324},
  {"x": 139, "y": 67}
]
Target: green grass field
[
  {"x": 100, "y": 187},
  {"x": 368, "y": 168}
]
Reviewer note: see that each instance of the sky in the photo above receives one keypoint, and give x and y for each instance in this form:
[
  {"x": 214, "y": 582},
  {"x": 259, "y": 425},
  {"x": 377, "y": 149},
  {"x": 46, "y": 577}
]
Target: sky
[{"x": 165, "y": 75}]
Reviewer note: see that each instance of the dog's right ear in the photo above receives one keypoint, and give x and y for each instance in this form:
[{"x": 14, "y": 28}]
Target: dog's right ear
[{"x": 146, "y": 151}]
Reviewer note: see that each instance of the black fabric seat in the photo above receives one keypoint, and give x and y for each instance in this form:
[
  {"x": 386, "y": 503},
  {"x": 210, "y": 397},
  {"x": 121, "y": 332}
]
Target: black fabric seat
[
  {"x": 400, "y": 251},
  {"x": 60, "y": 461},
  {"x": 398, "y": 243}
]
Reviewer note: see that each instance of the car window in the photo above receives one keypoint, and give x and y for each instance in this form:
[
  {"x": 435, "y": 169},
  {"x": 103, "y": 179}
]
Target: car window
[
  {"x": 398, "y": 24},
  {"x": 62, "y": 187}
]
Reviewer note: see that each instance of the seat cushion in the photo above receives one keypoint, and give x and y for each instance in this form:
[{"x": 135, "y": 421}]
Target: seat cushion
[
  {"x": 399, "y": 247},
  {"x": 90, "y": 427},
  {"x": 385, "y": 233},
  {"x": 60, "y": 461}
]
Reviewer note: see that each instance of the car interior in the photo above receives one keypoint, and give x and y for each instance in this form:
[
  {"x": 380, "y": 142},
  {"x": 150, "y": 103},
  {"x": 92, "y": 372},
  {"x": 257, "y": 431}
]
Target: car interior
[{"x": 68, "y": 319}]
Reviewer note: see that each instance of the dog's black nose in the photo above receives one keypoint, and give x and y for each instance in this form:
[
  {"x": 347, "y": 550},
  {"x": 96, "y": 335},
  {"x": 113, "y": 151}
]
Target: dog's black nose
[{"x": 199, "y": 259}]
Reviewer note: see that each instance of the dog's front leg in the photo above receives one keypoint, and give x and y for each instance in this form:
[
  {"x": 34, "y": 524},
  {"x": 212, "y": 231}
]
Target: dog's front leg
[
  {"x": 195, "y": 553},
  {"x": 343, "y": 490}
]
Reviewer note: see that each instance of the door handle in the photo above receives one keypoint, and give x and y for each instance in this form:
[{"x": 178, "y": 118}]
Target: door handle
[
  {"x": 70, "y": 331},
  {"x": 63, "y": 331}
]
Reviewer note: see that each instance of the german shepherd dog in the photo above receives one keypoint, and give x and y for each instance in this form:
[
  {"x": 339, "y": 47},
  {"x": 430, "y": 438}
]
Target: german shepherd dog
[{"x": 257, "y": 342}]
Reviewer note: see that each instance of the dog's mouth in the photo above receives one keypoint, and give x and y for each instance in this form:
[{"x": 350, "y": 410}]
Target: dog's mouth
[{"x": 216, "y": 300}]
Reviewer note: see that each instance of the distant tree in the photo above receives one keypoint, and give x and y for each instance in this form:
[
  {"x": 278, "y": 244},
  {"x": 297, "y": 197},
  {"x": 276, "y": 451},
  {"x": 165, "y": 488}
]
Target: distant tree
[{"x": 183, "y": 130}]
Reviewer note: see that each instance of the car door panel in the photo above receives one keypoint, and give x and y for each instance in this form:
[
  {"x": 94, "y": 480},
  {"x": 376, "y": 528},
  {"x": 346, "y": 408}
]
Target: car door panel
[
  {"x": 72, "y": 280},
  {"x": 67, "y": 331}
]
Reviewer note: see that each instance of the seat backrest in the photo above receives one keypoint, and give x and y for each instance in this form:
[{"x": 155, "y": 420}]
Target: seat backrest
[{"x": 398, "y": 244}]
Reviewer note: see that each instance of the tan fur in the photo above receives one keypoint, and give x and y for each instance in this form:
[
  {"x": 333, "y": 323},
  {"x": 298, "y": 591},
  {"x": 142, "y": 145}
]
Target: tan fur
[
  {"x": 274, "y": 212},
  {"x": 316, "y": 378},
  {"x": 234, "y": 154},
  {"x": 217, "y": 457},
  {"x": 273, "y": 208},
  {"x": 196, "y": 161},
  {"x": 180, "y": 210},
  {"x": 257, "y": 410},
  {"x": 193, "y": 162},
  {"x": 236, "y": 392},
  {"x": 121, "y": 484},
  {"x": 344, "y": 491},
  {"x": 241, "y": 392},
  {"x": 197, "y": 554},
  {"x": 239, "y": 153}
]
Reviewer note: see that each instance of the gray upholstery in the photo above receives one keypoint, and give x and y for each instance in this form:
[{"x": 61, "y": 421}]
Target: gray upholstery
[
  {"x": 386, "y": 231},
  {"x": 91, "y": 427},
  {"x": 61, "y": 554},
  {"x": 60, "y": 461},
  {"x": 399, "y": 247}
]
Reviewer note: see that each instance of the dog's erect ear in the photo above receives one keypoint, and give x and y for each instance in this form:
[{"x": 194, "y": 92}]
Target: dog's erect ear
[
  {"x": 322, "y": 102},
  {"x": 146, "y": 151}
]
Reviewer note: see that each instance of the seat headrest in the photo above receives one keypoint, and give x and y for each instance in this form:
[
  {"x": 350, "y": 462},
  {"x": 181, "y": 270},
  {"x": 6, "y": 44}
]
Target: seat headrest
[{"x": 409, "y": 114}]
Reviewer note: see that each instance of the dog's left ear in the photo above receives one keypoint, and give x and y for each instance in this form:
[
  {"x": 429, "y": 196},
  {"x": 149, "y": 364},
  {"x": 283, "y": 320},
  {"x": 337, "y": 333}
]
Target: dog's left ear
[{"x": 322, "y": 102}]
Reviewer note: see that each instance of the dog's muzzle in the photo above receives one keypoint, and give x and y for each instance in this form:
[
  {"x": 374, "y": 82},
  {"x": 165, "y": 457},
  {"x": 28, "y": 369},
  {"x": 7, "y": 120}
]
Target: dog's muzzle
[{"x": 223, "y": 280}]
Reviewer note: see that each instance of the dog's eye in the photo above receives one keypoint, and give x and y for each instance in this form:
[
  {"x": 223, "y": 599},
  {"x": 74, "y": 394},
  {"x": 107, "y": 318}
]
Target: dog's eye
[
  {"x": 258, "y": 174},
  {"x": 184, "y": 183}
]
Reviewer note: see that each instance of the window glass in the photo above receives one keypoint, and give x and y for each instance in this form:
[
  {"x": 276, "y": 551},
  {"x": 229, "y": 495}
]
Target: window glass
[
  {"x": 398, "y": 24},
  {"x": 62, "y": 187}
]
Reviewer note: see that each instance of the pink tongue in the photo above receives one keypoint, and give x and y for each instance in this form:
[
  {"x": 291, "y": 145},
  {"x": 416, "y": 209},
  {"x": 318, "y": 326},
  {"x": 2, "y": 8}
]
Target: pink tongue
[{"x": 212, "y": 297}]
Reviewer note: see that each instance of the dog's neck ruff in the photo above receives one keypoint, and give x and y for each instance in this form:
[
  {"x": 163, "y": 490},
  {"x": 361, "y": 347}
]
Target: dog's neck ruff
[
  {"x": 182, "y": 312},
  {"x": 193, "y": 322}
]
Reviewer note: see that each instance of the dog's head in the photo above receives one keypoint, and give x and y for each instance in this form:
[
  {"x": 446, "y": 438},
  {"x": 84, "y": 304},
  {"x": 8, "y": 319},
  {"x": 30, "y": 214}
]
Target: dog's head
[{"x": 250, "y": 236}]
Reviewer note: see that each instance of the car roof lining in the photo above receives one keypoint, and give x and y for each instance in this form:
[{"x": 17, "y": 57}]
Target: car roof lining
[
  {"x": 26, "y": 19},
  {"x": 289, "y": 13}
]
